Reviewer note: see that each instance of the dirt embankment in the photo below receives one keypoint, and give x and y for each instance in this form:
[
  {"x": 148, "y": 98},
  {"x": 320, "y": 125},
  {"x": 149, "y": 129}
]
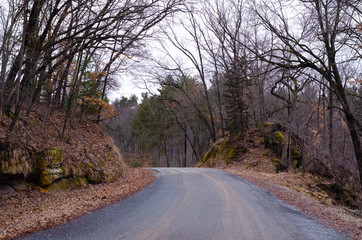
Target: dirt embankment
[
  {"x": 49, "y": 178},
  {"x": 37, "y": 151},
  {"x": 33, "y": 210},
  {"x": 257, "y": 156},
  {"x": 300, "y": 190}
]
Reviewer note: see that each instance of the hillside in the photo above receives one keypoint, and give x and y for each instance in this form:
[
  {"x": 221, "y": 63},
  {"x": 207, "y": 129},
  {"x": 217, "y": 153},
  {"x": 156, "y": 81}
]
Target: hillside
[
  {"x": 36, "y": 153},
  {"x": 309, "y": 184},
  {"x": 47, "y": 180}
]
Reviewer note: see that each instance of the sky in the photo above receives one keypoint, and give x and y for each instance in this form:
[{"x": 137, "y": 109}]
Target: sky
[{"x": 128, "y": 87}]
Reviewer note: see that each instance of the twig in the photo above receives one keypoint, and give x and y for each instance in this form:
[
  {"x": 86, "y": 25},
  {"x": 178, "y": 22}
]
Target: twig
[
  {"x": 353, "y": 212},
  {"x": 26, "y": 131},
  {"x": 55, "y": 126}
]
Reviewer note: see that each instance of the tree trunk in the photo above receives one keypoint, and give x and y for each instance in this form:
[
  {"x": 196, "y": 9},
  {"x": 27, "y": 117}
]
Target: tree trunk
[
  {"x": 350, "y": 120},
  {"x": 185, "y": 150},
  {"x": 331, "y": 128}
]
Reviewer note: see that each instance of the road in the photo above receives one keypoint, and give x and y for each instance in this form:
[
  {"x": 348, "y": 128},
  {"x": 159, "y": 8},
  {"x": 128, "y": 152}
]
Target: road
[{"x": 193, "y": 203}]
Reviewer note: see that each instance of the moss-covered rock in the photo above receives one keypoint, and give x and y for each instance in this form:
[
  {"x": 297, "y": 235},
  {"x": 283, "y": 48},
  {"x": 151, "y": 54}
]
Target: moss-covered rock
[
  {"x": 297, "y": 158},
  {"x": 222, "y": 151},
  {"x": 13, "y": 161},
  {"x": 274, "y": 138},
  {"x": 268, "y": 124},
  {"x": 93, "y": 177},
  {"x": 87, "y": 153},
  {"x": 341, "y": 194},
  {"x": 285, "y": 144},
  {"x": 54, "y": 155},
  {"x": 68, "y": 183},
  {"x": 279, "y": 167},
  {"x": 210, "y": 155},
  {"x": 50, "y": 166},
  {"x": 232, "y": 153}
]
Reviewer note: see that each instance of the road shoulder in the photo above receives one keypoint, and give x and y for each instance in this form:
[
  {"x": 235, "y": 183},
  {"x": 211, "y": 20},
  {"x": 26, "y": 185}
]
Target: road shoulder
[
  {"x": 288, "y": 188},
  {"x": 33, "y": 210}
]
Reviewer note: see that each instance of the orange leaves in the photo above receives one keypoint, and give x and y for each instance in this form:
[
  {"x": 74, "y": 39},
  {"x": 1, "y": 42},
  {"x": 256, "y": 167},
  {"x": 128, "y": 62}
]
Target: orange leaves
[
  {"x": 93, "y": 101},
  {"x": 359, "y": 27},
  {"x": 359, "y": 30},
  {"x": 357, "y": 81},
  {"x": 127, "y": 56},
  {"x": 96, "y": 75},
  {"x": 108, "y": 109}
]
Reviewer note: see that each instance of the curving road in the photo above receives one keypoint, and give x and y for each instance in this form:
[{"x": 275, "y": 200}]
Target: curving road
[{"x": 193, "y": 203}]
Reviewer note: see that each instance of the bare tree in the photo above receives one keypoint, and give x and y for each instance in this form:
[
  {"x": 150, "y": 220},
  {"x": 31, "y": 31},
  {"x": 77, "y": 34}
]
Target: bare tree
[
  {"x": 319, "y": 43},
  {"x": 56, "y": 32}
]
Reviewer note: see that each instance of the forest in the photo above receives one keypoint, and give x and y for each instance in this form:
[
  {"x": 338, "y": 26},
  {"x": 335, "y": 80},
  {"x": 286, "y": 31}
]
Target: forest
[{"x": 212, "y": 69}]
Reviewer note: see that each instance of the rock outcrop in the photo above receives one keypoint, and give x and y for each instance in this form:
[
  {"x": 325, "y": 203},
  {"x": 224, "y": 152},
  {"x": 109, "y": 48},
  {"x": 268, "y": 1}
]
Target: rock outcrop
[
  {"x": 86, "y": 154},
  {"x": 222, "y": 152},
  {"x": 271, "y": 147}
]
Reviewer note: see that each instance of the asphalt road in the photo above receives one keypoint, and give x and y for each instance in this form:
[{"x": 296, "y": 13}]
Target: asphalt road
[{"x": 192, "y": 203}]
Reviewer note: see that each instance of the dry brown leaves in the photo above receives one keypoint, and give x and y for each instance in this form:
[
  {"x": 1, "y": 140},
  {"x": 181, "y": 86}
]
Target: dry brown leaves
[
  {"x": 33, "y": 210},
  {"x": 289, "y": 186}
]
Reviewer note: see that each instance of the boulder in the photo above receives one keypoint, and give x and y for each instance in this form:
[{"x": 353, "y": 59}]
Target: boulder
[
  {"x": 18, "y": 184},
  {"x": 13, "y": 161},
  {"x": 223, "y": 152},
  {"x": 50, "y": 166},
  {"x": 47, "y": 166},
  {"x": 283, "y": 142},
  {"x": 6, "y": 189}
]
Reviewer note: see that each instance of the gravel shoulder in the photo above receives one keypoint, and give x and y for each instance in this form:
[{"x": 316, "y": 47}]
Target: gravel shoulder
[
  {"x": 198, "y": 204},
  {"x": 33, "y": 209},
  {"x": 293, "y": 189}
]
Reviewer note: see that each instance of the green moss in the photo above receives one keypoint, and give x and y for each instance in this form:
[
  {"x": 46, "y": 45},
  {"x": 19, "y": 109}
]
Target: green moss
[
  {"x": 233, "y": 152},
  {"x": 34, "y": 122},
  {"x": 224, "y": 146},
  {"x": 278, "y": 166},
  {"x": 93, "y": 177},
  {"x": 41, "y": 162},
  {"x": 275, "y": 161},
  {"x": 222, "y": 151},
  {"x": 250, "y": 165},
  {"x": 341, "y": 194},
  {"x": 274, "y": 139},
  {"x": 296, "y": 158},
  {"x": 81, "y": 165},
  {"x": 266, "y": 154},
  {"x": 91, "y": 165},
  {"x": 69, "y": 183},
  {"x": 262, "y": 140},
  {"x": 56, "y": 155},
  {"x": 67, "y": 138},
  {"x": 49, "y": 166},
  {"x": 137, "y": 164},
  {"x": 81, "y": 182},
  {"x": 110, "y": 153},
  {"x": 278, "y": 137},
  {"x": 209, "y": 155},
  {"x": 62, "y": 184},
  {"x": 47, "y": 178}
]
